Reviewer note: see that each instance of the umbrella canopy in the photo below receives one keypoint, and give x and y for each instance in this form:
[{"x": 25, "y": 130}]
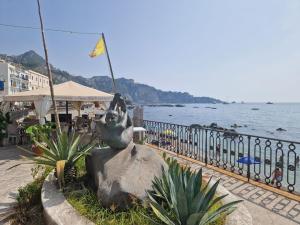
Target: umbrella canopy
[
  {"x": 168, "y": 132},
  {"x": 68, "y": 91},
  {"x": 248, "y": 160}
]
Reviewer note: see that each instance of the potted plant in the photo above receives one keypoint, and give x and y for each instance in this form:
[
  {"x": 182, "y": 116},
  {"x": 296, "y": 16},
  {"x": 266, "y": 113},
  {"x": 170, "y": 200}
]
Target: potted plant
[
  {"x": 35, "y": 132},
  {"x": 4, "y": 121}
]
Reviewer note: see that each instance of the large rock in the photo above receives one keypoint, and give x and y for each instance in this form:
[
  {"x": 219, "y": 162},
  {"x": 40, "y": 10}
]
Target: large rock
[{"x": 119, "y": 175}]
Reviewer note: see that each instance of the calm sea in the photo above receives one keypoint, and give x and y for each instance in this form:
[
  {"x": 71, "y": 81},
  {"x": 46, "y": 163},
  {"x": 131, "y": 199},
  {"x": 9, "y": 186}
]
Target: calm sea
[{"x": 264, "y": 121}]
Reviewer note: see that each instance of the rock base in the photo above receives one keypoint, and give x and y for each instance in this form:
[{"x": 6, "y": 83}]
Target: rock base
[{"x": 121, "y": 176}]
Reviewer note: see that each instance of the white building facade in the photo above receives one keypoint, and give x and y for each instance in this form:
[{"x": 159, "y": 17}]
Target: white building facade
[{"x": 14, "y": 79}]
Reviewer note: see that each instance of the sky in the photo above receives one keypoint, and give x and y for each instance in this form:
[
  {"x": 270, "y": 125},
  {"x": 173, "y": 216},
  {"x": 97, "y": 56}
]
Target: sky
[{"x": 228, "y": 49}]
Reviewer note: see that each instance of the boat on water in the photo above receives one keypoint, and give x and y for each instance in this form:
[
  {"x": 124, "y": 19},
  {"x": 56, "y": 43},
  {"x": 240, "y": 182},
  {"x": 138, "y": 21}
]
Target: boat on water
[
  {"x": 130, "y": 107},
  {"x": 269, "y": 103}
]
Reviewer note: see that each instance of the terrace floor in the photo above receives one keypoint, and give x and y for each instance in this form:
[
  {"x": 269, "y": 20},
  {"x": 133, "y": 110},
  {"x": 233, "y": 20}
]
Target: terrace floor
[
  {"x": 11, "y": 180},
  {"x": 265, "y": 206}
]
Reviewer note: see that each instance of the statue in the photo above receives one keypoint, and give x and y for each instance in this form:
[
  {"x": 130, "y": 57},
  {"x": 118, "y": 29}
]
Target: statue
[
  {"x": 122, "y": 171},
  {"x": 115, "y": 127}
]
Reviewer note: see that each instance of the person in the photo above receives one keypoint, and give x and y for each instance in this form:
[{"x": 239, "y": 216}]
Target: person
[
  {"x": 276, "y": 176},
  {"x": 218, "y": 151},
  {"x": 297, "y": 161}
]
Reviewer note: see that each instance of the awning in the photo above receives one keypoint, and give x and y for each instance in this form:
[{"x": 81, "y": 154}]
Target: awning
[{"x": 68, "y": 91}]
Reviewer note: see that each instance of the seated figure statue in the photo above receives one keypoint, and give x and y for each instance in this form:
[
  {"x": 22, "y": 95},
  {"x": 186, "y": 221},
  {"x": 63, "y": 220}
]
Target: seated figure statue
[
  {"x": 122, "y": 171},
  {"x": 115, "y": 127}
]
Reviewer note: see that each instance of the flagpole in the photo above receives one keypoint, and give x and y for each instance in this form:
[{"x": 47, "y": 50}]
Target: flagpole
[{"x": 109, "y": 63}]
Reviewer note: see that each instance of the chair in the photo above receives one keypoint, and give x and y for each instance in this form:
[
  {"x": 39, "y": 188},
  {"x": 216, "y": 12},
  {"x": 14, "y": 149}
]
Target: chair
[{"x": 13, "y": 133}]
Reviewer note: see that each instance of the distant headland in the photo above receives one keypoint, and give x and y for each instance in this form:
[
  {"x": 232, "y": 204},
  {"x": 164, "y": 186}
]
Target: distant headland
[{"x": 134, "y": 92}]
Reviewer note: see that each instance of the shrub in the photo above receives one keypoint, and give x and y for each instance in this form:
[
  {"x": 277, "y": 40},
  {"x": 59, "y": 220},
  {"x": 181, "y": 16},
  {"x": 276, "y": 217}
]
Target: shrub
[
  {"x": 179, "y": 198},
  {"x": 29, "y": 209},
  {"x": 37, "y": 130}
]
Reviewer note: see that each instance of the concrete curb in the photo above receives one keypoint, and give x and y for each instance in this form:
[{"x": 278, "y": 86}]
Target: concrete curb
[{"x": 57, "y": 210}]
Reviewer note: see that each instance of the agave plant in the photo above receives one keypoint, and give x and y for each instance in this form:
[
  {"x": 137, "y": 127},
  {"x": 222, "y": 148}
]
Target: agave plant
[
  {"x": 180, "y": 197},
  {"x": 58, "y": 153}
]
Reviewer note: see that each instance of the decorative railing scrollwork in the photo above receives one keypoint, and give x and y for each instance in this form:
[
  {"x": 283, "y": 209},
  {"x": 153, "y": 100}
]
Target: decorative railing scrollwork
[{"x": 272, "y": 161}]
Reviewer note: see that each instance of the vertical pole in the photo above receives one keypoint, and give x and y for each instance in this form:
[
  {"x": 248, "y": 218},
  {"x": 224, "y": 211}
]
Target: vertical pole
[
  {"x": 248, "y": 164},
  {"x": 48, "y": 70},
  {"x": 67, "y": 110},
  {"x": 67, "y": 107},
  {"x": 205, "y": 157},
  {"x": 109, "y": 63}
]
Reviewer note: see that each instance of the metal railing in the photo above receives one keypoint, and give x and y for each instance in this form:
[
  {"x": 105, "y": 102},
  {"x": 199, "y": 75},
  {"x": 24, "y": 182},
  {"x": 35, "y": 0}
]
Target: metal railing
[{"x": 269, "y": 160}]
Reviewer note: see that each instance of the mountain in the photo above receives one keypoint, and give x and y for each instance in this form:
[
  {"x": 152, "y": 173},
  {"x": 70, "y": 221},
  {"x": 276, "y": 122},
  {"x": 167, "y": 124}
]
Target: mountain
[{"x": 136, "y": 92}]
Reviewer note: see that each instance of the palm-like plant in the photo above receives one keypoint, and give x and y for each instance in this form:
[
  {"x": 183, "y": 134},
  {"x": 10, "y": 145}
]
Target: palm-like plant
[
  {"x": 179, "y": 198},
  {"x": 58, "y": 153}
]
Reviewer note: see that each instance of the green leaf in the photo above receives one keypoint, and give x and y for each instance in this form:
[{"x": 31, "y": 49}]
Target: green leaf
[
  {"x": 194, "y": 218},
  {"x": 161, "y": 214},
  {"x": 182, "y": 204},
  {"x": 225, "y": 209}
]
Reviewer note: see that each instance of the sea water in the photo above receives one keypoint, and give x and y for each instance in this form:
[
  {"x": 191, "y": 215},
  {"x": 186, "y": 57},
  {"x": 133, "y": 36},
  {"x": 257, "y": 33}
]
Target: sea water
[{"x": 254, "y": 118}]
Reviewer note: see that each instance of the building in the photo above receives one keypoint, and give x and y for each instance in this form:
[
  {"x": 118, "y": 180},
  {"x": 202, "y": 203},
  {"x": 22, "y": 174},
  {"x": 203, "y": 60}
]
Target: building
[
  {"x": 15, "y": 79},
  {"x": 37, "y": 80}
]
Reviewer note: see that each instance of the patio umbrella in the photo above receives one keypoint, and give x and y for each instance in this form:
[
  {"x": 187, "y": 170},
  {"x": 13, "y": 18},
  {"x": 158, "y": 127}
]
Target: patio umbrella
[
  {"x": 168, "y": 132},
  {"x": 248, "y": 160}
]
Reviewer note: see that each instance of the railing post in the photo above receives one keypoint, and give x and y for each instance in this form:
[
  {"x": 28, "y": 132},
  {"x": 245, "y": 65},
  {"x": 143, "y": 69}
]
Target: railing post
[
  {"x": 205, "y": 157},
  {"x": 248, "y": 164}
]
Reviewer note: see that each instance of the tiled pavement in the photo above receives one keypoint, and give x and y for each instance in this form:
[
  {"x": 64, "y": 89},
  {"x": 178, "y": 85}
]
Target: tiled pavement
[
  {"x": 12, "y": 179},
  {"x": 277, "y": 206}
]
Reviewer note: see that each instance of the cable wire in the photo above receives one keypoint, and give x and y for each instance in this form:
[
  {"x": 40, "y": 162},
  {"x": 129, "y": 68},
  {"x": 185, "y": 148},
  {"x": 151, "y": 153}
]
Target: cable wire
[{"x": 50, "y": 29}]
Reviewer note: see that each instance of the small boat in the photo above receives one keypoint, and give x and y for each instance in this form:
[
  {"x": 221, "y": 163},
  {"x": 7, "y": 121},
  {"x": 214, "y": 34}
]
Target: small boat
[
  {"x": 130, "y": 107},
  {"x": 255, "y": 109},
  {"x": 269, "y": 103}
]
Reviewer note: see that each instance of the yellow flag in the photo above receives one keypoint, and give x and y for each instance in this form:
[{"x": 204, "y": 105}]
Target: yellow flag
[{"x": 99, "y": 49}]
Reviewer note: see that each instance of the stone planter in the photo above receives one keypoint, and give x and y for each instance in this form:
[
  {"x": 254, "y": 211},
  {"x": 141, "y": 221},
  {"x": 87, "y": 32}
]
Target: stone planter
[{"x": 57, "y": 210}]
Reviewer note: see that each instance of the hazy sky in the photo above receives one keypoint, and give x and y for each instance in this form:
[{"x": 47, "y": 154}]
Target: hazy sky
[{"x": 228, "y": 49}]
